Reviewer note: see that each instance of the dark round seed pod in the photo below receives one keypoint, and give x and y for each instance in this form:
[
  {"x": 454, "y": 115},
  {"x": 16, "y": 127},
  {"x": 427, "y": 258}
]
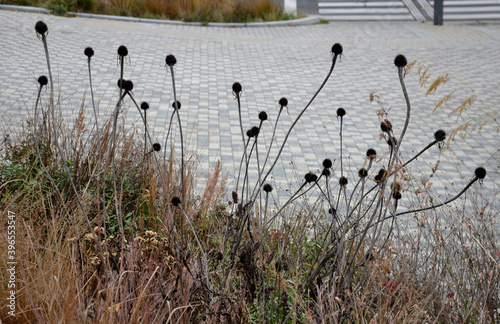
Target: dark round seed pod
[
  {"x": 263, "y": 115},
  {"x": 253, "y": 132},
  {"x": 400, "y": 61},
  {"x": 144, "y": 105},
  {"x": 371, "y": 154},
  {"x": 310, "y": 177},
  {"x": 128, "y": 85},
  {"x": 362, "y": 173},
  {"x": 218, "y": 256},
  {"x": 337, "y": 49},
  {"x": 327, "y": 163},
  {"x": 237, "y": 87},
  {"x": 42, "y": 80},
  {"x": 268, "y": 188},
  {"x": 332, "y": 211},
  {"x": 234, "y": 195},
  {"x": 176, "y": 201},
  {"x": 89, "y": 52},
  {"x": 440, "y": 135},
  {"x": 480, "y": 173},
  {"x": 396, "y": 195},
  {"x": 122, "y": 51},
  {"x": 170, "y": 60},
  {"x": 343, "y": 181},
  {"x": 340, "y": 112},
  {"x": 283, "y": 102},
  {"x": 386, "y": 126},
  {"x": 326, "y": 172},
  {"x": 41, "y": 28},
  {"x": 178, "y": 104},
  {"x": 156, "y": 147}
]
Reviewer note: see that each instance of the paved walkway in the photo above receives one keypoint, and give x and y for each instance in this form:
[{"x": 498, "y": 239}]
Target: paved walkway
[{"x": 271, "y": 62}]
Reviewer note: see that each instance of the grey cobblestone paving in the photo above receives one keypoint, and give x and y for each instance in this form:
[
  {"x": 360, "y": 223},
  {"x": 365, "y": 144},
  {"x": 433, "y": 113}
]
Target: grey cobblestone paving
[{"x": 271, "y": 62}]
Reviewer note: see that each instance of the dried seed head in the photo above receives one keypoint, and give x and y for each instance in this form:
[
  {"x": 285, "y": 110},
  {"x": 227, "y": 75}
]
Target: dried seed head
[
  {"x": 386, "y": 126},
  {"x": 263, "y": 115},
  {"x": 340, "y": 112},
  {"x": 337, "y": 49},
  {"x": 41, "y": 28},
  {"x": 400, "y": 61},
  {"x": 343, "y": 181},
  {"x": 268, "y": 188},
  {"x": 170, "y": 60},
  {"x": 362, "y": 173},
  {"x": 380, "y": 176},
  {"x": 218, "y": 256},
  {"x": 42, "y": 80},
  {"x": 440, "y": 135},
  {"x": 332, "y": 211},
  {"x": 283, "y": 102},
  {"x": 237, "y": 87},
  {"x": 326, "y": 172},
  {"x": 327, "y": 163},
  {"x": 371, "y": 154},
  {"x": 310, "y": 177},
  {"x": 122, "y": 51},
  {"x": 178, "y": 104},
  {"x": 144, "y": 105},
  {"x": 126, "y": 85},
  {"x": 480, "y": 173},
  {"x": 396, "y": 195},
  {"x": 89, "y": 52},
  {"x": 176, "y": 201},
  {"x": 253, "y": 132},
  {"x": 156, "y": 147},
  {"x": 234, "y": 195}
]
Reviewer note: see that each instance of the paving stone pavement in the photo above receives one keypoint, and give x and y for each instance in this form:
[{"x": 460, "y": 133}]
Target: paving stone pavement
[{"x": 271, "y": 62}]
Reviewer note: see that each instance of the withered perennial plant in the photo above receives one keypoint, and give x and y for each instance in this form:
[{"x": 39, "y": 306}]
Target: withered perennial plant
[{"x": 146, "y": 253}]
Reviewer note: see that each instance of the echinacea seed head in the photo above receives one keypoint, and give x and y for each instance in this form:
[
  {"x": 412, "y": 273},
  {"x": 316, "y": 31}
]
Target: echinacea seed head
[
  {"x": 326, "y": 172},
  {"x": 42, "y": 80},
  {"x": 396, "y": 195},
  {"x": 176, "y": 201},
  {"x": 380, "y": 176},
  {"x": 327, "y": 163},
  {"x": 253, "y": 132},
  {"x": 234, "y": 195},
  {"x": 340, "y": 112},
  {"x": 440, "y": 135},
  {"x": 343, "y": 181},
  {"x": 170, "y": 60},
  {"x": 362, "y": 173},
  {"x": 371, "y": 154},
  {"x": 480, "y": 173},
  {"x": 263, "y": 115},
  {"x": 178, "y": 104},
  {"x": 218, "y": 256},
  {"x": 332, "y": 211},
  {"x": 283, "y": 102},
  {"x": 144, "y": 105},
  {"x": 310, "y": 177},
  {"x": 400, "y": 61},
  {"x": 337, "y": 49},
  {"x": 237, "y": 87},
  {"x": 89, "y": 52},
  {"x": 41, "y": 28},
  {"x": 268, "y": 188},
  {"x": 126, "y": 85},
  {"x": 386, "y": 126},
  {"x": 156, "y": 147},
  {"x": 122, "y": 51}
]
